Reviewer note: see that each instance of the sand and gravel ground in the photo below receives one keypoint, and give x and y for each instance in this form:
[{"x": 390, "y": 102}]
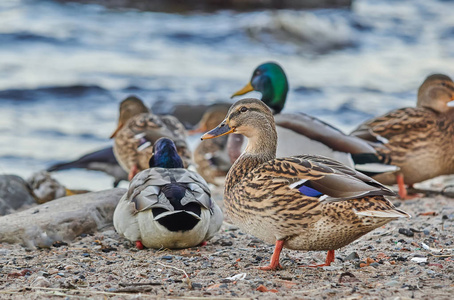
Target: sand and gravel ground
[{"x": 404, "y": 259}]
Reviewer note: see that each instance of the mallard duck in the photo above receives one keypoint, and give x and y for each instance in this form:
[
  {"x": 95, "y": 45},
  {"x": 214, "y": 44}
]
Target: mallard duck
[
  {"x": 167, "y": 206},
  {"x": 211, "y": 157},
  {"x": 419, "y": 140},
  {"x": 101, "y": 160},
  {"x": 138, "y": 129},
  {"x": 300, "y": 133},
  {"x": 303, "y": 202}
]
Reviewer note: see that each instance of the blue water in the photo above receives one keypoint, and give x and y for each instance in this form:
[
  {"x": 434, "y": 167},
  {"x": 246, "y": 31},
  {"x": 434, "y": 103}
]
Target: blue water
[{"x": 65, "y": 67}]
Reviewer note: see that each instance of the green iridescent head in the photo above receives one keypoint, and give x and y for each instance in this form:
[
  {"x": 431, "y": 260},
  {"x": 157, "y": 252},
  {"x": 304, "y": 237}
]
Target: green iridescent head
[{"x": 270, "y": 80}]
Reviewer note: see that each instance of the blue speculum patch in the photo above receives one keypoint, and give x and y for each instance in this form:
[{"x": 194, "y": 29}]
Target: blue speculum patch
[{"x": 308, "y": 191}]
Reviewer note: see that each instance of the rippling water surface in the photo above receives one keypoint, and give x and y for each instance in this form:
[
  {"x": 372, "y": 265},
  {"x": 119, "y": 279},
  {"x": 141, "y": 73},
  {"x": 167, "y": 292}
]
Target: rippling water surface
[{"x": 65, "y": 67}]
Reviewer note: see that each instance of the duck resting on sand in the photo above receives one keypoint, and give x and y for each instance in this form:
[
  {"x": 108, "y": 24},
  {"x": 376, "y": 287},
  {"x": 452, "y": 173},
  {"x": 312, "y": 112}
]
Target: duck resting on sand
[
  {"x": 167, "y": 206},
  {"x": 303, "y": 202},
  {"x": 137, "y": 131},
  {"x": 418, "y": 140}
]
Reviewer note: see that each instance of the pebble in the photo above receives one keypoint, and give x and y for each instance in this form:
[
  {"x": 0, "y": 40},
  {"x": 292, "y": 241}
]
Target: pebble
[
  {"x": 40, "y": 281},
  {"x": 196, "y": 286},
  {"x": 406, "y": 232},
  {"x": 352, "y": 256},
  {"x": 392, "y": 283},
  {"x": 167, "y": 257}
]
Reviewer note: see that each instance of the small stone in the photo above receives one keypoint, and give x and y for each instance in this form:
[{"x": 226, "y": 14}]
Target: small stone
[
  {"x": 167, "y": 257},
  {"x": 406, "y": 232},
  {"x": 352, "y": 256},
  {"x": 392, "y": 283},
  {"x": 196, "y": 286},
  {"x": 226, "y": 243},
  {"x": 40, "y": 281}
]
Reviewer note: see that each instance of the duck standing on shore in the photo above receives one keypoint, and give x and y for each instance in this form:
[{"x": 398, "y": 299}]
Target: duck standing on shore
[
  {"x": 301, "y": 133},
  {"x": 418, "y": 140},
  {"x": 303, "y": 202}
]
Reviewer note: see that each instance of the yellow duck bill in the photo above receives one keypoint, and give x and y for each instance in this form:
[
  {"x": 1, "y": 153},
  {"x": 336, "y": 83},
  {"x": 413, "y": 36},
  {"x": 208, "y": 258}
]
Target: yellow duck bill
[
  {"x": 221, "y": 130},
  {"x": 246, "y": 89}
]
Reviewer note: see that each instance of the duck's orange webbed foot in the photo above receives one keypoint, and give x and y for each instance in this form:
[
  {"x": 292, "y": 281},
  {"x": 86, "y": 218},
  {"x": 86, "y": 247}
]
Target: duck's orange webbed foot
[
  {"x": 328, "y": 261},
  {"x": 274, "y": 263}
]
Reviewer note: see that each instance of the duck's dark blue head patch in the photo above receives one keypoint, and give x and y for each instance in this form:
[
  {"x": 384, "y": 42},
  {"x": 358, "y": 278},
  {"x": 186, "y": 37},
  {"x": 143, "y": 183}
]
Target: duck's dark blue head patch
[{"x": 165, "y": 155}]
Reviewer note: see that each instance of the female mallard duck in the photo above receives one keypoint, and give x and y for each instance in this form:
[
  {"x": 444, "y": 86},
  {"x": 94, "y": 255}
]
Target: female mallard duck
[
  {"x": 419, "y": 140},
  {"x": 138, "y": 129},
  {"x": 300, "y": 133},
  {"x": 302, "y": 202},
  {"x": 167, "y": 206},
  {"x": 211, "y": 157}
]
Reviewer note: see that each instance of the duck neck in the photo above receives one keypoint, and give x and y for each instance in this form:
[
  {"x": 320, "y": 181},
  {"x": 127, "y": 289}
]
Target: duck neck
[{"x": 261, "y": 147}]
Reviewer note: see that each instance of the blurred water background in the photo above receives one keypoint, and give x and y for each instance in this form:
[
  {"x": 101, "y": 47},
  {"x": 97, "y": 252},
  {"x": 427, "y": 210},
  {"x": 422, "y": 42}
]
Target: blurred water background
[{"x": 64, "y": 67}]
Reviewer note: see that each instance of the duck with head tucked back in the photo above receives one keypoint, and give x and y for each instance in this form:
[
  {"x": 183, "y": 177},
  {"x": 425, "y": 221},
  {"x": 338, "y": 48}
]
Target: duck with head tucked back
[
  {"x": 303, "y": 202},
  {"x": 137, "y": 131},
  {"x": 211, "y": 157},
  {"x": 300, "y": 133},
  {"x": 419, "y": 140},
  {"x": 167, "y": 206}
]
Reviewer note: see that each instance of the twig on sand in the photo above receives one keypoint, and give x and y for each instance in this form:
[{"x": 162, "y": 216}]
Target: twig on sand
[
  {"x": 64, "y": 292},
  {"x": 181, "y": 270}
]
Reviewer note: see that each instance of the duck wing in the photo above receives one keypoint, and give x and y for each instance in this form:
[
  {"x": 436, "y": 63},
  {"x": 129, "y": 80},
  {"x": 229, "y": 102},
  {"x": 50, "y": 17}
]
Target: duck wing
[{"x": 322, "y": 132}]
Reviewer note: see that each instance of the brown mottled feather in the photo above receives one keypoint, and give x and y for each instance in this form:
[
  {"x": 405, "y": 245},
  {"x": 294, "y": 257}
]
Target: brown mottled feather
[
  {"x": 151, "y": 127},
  {"x": 260, "y": 198},
  {"x": 416, "y": 139}
]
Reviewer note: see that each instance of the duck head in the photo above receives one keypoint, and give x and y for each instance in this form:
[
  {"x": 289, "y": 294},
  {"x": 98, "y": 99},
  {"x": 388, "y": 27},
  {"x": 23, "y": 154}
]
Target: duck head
[
  {"x": 437, "y": 93},
  {"x": 270, "y": 80},
  {"x": 253, "y": 119},
  {"x": 165, "y": 155},
  {"x": 130, "y": 107}
]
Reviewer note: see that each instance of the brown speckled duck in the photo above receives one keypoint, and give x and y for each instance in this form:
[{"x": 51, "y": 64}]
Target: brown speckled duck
[
  {"x": 301, "y": 202},
  {"x": 419, "y": 140},
  {"x": 137, "y": 131},
  {"x": 211, "y": 157}
]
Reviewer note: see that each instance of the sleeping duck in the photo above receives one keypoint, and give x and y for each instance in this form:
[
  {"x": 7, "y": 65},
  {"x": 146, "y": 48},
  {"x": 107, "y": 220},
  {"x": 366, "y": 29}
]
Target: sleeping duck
[
  {"x": 300, "y": 133},
  {"x": 166, "y": 205},
  {"x": 419, "y": 140},
  {"x": 137, "y": 131},
  {"x": 211, "y": 157},
  {"x": 304, "y": 202}
]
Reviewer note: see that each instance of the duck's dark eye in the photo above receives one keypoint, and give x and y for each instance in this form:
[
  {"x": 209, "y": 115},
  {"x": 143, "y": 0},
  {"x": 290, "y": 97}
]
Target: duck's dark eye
[{"x": 243, "y": 109}]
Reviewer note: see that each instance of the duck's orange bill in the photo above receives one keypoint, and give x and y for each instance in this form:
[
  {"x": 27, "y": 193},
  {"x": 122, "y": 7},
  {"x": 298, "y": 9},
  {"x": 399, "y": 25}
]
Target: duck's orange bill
[
  {"x": 246, "y": 89},
  {"x": 120, "y": 125},
  {"x": 221, "y": 130}
]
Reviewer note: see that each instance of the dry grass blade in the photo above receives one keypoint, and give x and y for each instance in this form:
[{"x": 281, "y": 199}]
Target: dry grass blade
[{"x": 181, "y": 270}]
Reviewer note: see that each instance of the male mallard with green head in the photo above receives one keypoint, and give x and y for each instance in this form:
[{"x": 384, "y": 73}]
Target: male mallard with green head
[
  {"x": 419, "y": 140},
  {"x": 303, "y": 202},
  {"x": 137, "y": 131},
  {"x": 300, "y": 133}
]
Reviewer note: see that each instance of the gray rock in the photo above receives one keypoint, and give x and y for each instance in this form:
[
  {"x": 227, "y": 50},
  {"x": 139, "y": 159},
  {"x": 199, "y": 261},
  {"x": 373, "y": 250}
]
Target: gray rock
[
  {"x": 61, "y": 219},
  {"x": 352, "y": 256},
  {"x": 14, "y": 193}
]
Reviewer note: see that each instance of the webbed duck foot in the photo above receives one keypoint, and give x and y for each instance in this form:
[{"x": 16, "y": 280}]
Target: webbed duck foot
[
  {"x": 328, "y": 261},
  {"x": 274, "y": 263},
  {"x": 139, "y": 245},
  {"x": 134, "y": 170},
  {"x": 204, "y": 243}
]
